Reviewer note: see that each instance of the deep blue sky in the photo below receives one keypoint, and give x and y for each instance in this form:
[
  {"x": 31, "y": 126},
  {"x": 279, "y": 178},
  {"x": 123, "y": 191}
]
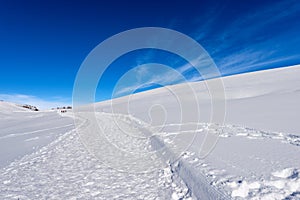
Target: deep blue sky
[{"x": 43, "y": 43}]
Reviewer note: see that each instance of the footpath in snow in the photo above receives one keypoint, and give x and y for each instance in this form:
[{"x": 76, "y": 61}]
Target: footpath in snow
[
  {"x": 246, "y": 164},
  {"x": 66, "y": 170}
]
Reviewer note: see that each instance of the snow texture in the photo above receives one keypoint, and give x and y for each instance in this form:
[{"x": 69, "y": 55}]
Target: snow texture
[{"x": 44, "y": 155}]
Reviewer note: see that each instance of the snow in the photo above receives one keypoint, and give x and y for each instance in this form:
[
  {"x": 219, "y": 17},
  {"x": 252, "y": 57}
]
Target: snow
[
  {"x": 23, "y": 131},
  {"x": 265, "y": 165},
  {"x": 64, "y": 170},
  {"x": 265, "y": 100},
  {"x": 7, "y": 107},
  {"x": 140, "y": 151},
  {"x": 286, "y": 173},
  {"x": 242, "y": 191}
]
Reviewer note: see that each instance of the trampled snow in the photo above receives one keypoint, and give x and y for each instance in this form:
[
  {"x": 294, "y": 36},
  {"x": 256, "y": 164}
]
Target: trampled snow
[{"x": 256, "y": 156}]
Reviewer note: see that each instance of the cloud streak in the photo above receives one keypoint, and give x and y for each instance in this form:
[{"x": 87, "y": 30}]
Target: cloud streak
[
  {"x": 152, "y": 74},
  {"x": 248, "y": 41}
]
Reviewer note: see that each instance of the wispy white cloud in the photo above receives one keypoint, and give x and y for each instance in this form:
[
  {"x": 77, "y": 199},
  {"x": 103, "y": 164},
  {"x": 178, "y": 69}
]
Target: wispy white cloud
[
  {"x": 241, "y": 46},
  {"x": 35, "y": 101},
  {"x": 238, "y": 47},
  {"x": 241, "y": 58},
  {"x": 249, "y": 24},
  {"x": 147, "y": 75},
  {"x": 271, "y": 62},
  {"x": 204, "y": 26}
]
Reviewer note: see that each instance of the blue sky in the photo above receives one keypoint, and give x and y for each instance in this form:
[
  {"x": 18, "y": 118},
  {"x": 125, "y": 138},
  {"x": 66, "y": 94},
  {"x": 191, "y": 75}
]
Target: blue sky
[{"x": 43, "y": 43}]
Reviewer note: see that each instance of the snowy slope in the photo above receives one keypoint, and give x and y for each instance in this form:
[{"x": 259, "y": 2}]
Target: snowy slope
[
  {"x": 262, "y": 132},
  {"x": 267, "y": 100},
  {"x": 143, "y": 150},
  {"x": 23, "y": 131},
  {"x": 8, "y": 107}
]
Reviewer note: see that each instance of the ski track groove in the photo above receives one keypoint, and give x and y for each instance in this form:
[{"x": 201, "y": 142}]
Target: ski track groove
[
  {"x": 33, "y": 132},
  {"x": 195, "y": 181}
]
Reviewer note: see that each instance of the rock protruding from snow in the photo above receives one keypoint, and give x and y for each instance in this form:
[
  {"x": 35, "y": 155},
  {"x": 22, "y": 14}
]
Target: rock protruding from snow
[{"x": 30, "y": 107}]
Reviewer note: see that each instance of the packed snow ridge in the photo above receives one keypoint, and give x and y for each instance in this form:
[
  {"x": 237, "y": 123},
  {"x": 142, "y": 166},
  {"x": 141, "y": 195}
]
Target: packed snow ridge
[{"x": 45, "y": 156}]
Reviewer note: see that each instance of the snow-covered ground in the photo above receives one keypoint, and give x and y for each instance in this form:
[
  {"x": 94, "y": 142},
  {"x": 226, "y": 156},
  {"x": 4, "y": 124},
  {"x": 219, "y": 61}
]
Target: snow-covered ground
[
  {"x": 64, "y": 169},
  {"x": 23, "y": 131},
  {"x": 266, "y": 100},
  {"x": 145, "y": 150}
]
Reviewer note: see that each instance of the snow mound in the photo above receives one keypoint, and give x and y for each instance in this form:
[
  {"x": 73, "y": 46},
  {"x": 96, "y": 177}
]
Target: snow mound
[
  {"x": 286, "y": 173},
  {"x": 7, "y": 107},
  {"x": 244, "y": 188}
]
